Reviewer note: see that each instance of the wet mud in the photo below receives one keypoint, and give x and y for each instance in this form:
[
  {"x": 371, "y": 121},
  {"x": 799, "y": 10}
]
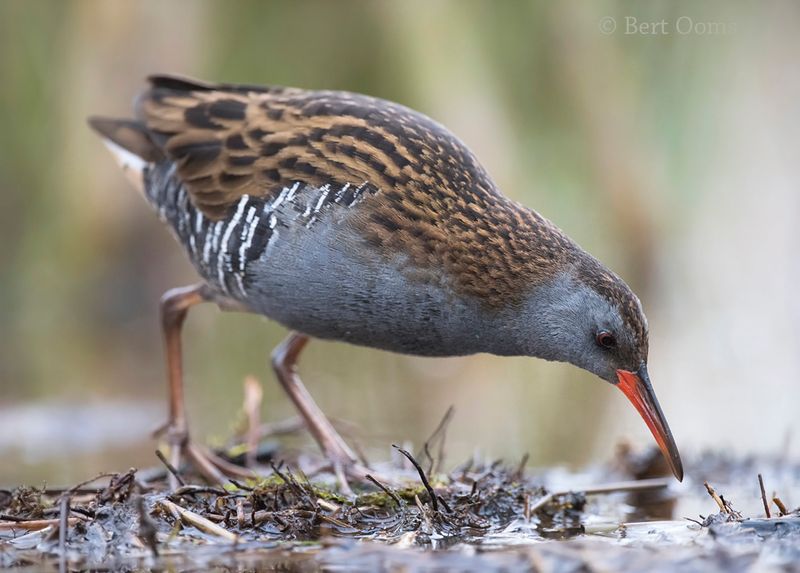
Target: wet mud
[{"x": 481, "y": 516}]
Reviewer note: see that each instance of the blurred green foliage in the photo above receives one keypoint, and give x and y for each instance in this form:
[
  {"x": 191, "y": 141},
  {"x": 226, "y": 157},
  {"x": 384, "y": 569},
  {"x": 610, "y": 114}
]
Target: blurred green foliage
[{"x": 599, "y": 132}]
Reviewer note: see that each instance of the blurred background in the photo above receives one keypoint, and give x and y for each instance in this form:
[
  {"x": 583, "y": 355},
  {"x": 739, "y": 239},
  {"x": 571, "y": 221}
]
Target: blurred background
[{"x": 670, "y": 151}]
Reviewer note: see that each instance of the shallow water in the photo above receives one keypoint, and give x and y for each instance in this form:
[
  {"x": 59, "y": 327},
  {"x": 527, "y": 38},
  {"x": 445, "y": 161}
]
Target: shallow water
[{"x": 600, "y": 535}]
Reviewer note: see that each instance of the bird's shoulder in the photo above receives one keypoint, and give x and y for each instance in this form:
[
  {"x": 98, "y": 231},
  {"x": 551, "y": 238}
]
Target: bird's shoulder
[
  {"x": 425, "y": 195},
  {"x": 232, "y": 140}
]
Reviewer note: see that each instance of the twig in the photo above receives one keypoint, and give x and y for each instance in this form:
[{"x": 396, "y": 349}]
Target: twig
[
  {"x": 520, "y": 471},
  {"x": 203, "y": 465},
  {"x": 422, "y": 476},
  {"x": 422, "y": 512},
  {"x": 218, "y": 463},
  {"x": 277, "y": 470},
  {"x": 724, "y": 505},
  {"x": 439, "y": 433},
  {"x": 34, "y": 524},
  {"x": 80, "y": 487},
  {"x": 616, "y": 487},
  {"x": 240, "y": 521},
  {"x": 329, "y": 505},
  {"x": 715, "y": 496},
  {"x": 627, "y": 486},
  {"x": 764, "y": 496},
  {"x": 290, "y": 481},
  {"x": 6, "y": 517},
  {"x": 428, "y": 455},
  {"x": 540, "y": 503},
  {"x": 782, "y": 508},
  {"x": 75, "y": 490},
  {"x": 444, "y": 425},
  {"x": 386, "y": 490},
  {"x": 81, "y": 511},
  {"x": 334, "y": 521},
  {"x": 63, "y": 529},
  {"x": 197, "y": 489},
  {"x": 199, "y": 521},
  {"x": 240, "y": 485},
  {"x": 116, "y": 486},
  {"x": 170, "y": 468}
]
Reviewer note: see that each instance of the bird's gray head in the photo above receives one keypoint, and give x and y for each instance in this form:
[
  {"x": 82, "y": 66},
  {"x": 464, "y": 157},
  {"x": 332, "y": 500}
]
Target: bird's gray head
[{"x": 589, "y": 317}]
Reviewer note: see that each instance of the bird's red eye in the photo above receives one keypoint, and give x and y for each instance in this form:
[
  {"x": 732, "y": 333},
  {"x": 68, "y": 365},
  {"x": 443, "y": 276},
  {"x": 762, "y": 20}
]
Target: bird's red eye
[{"x": 606, "y": 339}]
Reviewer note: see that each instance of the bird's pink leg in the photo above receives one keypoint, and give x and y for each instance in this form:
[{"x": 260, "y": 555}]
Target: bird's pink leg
[
  {"x": 175, "y": 304},
  {"x": 284, "y": 360}
]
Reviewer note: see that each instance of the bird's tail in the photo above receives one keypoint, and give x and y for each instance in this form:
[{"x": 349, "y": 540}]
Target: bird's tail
[{"x": 131, "y": 145}]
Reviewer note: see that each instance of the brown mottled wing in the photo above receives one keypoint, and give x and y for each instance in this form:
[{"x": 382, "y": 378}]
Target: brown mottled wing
[
  {"x": 228, "y": 141},
  {"x": 435, "y": 204}
]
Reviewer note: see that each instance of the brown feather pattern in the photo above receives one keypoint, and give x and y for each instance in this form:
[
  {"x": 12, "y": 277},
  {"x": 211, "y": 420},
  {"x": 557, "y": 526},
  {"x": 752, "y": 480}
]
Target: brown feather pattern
[{"x": 431, "y": 200}]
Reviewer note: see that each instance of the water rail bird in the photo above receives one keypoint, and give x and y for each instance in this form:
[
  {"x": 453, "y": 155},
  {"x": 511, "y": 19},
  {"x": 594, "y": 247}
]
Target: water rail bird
[{"x": 352, "y": 218}]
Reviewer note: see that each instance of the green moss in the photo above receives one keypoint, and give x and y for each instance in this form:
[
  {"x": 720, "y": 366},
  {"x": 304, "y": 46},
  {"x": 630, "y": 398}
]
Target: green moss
[
  {"x": 408, "y": 493},
  {"x": 328, "y": 495},
  {"x": 382, "y": 499},
  {"x": 267, "y": 482},
  {"x": 439, "y": 480},
  {"x": 376, "y": 498}
]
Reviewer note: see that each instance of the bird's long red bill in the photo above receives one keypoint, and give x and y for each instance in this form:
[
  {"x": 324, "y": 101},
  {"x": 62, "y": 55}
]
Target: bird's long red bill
[{"x": 636, "y": 386}]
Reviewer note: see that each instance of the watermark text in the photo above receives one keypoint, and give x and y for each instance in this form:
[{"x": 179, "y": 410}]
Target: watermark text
[{"x": 680, "y": 26}]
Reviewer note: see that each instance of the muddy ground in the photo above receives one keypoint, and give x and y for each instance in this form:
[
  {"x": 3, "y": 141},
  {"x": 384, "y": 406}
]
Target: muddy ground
[{"x": 626, "y": 515}]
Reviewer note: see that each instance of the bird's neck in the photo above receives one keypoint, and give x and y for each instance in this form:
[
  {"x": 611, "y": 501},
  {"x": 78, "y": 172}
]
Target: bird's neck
[{"x": 507, "y": 254}]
